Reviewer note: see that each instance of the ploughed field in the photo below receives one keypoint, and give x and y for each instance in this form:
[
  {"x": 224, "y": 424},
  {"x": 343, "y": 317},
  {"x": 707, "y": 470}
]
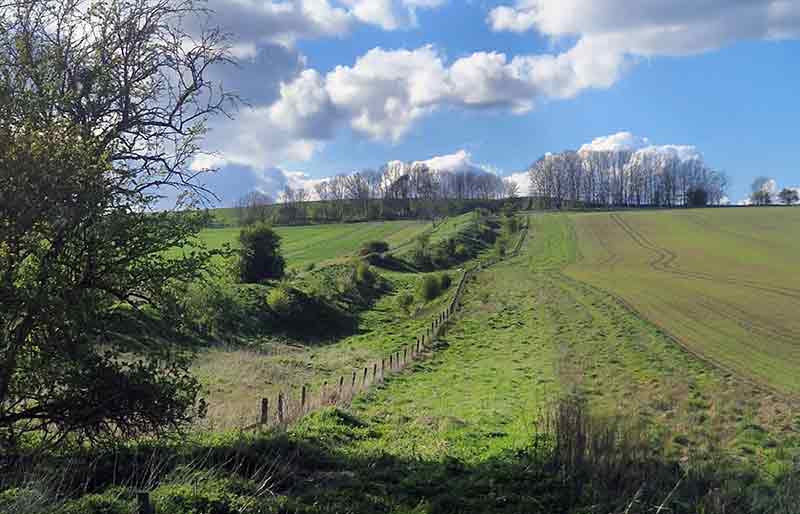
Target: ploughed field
[{"x": 724, "y": 283}]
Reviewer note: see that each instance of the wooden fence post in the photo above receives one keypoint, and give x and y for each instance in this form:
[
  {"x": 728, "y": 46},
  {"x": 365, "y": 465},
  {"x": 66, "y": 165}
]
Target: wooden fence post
[
  {"x": 303, "y": 399},
  {"x": 143, "y": 499},
  {"x": 264, "y": 411},
  {"x": 322, "y": 393},
  {"x": 375, "y": 373},
  {"x": 280, "y": 407},
  {"x": 405, "y": 356},
  {"x": 391, "y": 361},
  {"x": 383, "y": 368},
  {"x": 341, "y": 386},
  {"x": 364, "y": 380}
]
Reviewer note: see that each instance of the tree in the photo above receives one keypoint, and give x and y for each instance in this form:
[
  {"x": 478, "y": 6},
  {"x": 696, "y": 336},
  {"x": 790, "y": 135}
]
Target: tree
[
  {"x": 102, "y": 108},
  {"x": 260, "y": 255},
  {"x": 789, "y": 196},
  {"x": 761, "y": 197},
  {"x": 253, "y": 207},
  {"x": 697, "y": 197}
]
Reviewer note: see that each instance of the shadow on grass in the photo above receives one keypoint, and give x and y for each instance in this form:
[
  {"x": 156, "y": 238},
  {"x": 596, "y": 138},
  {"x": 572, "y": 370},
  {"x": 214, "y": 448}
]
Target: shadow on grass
[{"x": 319, "y": 467}]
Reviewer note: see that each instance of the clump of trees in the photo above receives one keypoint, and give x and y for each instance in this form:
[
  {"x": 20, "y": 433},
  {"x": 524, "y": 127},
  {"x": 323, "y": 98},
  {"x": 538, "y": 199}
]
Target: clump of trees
[
  {"x": 397, "y": 190},
  {"x": 260, "y": 255},
  {"x": 102, "y": 106},
  {"x": 624, "y": 179},
  {"x": 789, "y": 196}
]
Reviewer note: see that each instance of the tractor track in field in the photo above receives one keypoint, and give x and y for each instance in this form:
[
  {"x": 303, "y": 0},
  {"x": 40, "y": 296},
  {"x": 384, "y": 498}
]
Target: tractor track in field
[{"x": 665, "y": 258}]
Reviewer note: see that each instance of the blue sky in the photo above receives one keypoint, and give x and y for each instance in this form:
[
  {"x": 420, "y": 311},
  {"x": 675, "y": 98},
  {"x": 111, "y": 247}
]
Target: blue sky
[{"x": 337, "y": 86}]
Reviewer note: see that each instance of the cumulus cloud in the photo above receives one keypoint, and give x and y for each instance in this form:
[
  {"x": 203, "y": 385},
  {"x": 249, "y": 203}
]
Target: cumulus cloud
[
  {"x": 614, "y": 31},
  {"x": 256, "y": 22},
  {"x": 640, "y": 146},
  {"x": 458, "y": 162}
]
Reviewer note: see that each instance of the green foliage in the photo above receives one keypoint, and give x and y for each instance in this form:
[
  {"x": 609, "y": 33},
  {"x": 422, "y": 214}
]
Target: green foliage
[
  {"x": 370, "y": 247},
  {"x": 501, "y": 247},
  {"x": 445, "y": 281},
  {"x": 405, "y": 301},
  {"x": 77, "y": 267},
  {"x": 85, "y": 158},
  {"x": 282, "y": 302},
  {"x": 429, "y": 288},
  {"x": 260, "y": 254},
  {"x": 364, "y": 275},
  {"x": 511, "y": 224}
]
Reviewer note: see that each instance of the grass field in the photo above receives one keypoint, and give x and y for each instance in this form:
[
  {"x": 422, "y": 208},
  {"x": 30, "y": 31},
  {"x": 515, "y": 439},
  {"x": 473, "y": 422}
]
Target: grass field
[
  {"x": 723, "y": 282},
  {"x": 460, "y": 430},
  {"x": 327, "y": 244},
  {"x": 323, "y": 244},
  {"x": 449, "y": 435}
]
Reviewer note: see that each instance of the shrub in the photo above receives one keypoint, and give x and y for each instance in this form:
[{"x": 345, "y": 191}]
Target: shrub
[
  {"x": 445, "y": 281},
  {"x": 281, "y": 302},
  {"x": 364, "y": 274},
  {"x": 429, "y": 288},
  {"x": 405, "y": 301},
  {"x": 371, "y": 247},
  {"x": 260, "y": 257},
  {"x": 500, "y": 247}
]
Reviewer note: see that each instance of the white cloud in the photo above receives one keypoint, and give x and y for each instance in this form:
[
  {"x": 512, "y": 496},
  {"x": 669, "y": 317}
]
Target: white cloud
[
  {"x": 521, "y": 179},
  {"x": 458, "y": 162},
  {"x": 640, "y": 146},
  {"x": 612, "y": 33},
  {"x": 621, "y": 141},
  {"x": 256, "y": 22},
  {"x": 389, "y": 14}
]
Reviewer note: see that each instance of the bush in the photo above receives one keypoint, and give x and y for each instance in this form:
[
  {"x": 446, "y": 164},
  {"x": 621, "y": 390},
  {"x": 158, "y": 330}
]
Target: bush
[
  {"x": 405, "y": 301},
  {"x": 500, "y": 247},
  {"x": 260, "y": 257},
  {"x": 429, "y": 288},
  {"x": 281, "y": 302},
  {"x": 445, "y": 281},
  {"x": 371, "y": 247},
  {"x": 364, "y": 274}
]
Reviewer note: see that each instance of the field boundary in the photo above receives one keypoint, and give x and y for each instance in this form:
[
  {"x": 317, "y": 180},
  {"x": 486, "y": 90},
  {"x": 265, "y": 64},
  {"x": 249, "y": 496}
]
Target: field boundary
[{"x": 285, "y": 409}]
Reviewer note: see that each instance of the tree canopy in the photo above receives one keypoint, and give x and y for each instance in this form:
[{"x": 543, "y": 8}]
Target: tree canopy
[{"x": 102, "y": 108}]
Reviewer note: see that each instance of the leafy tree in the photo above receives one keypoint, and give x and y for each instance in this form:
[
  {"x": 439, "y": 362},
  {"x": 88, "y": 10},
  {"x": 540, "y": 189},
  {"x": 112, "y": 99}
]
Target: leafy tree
[
  {"x": 102, "y": 106},
  {"x": 260, "y": 255},
  {"x": 789, "y": 196},
  {"x": 761, "y": 198}
]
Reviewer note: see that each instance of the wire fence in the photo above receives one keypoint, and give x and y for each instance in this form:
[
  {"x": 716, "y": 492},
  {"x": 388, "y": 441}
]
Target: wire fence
[{"x": 286, "y": 408}]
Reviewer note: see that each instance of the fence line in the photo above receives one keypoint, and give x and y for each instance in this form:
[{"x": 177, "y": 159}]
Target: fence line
[{"x": 287, "y": 409}]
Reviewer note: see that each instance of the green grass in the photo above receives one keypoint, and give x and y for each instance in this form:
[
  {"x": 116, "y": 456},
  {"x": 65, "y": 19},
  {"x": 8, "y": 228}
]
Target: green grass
[
  {"x": 723, "y": 282},
  {"x": 459, "y": 431},
  {"x": 325, "y": 244}
]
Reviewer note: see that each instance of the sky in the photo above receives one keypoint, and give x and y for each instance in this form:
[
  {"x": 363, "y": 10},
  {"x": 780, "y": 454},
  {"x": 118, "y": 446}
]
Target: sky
[{"x": 336, "y": 86}]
